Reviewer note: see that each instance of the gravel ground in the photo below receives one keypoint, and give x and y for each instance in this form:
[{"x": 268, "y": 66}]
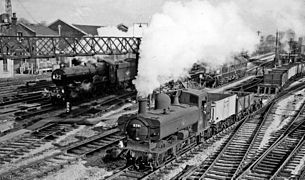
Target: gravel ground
[
  {"x": 197, "y": 159},
  {"x": 281, "y": 116},
  {"x": 78, "y": 171}
]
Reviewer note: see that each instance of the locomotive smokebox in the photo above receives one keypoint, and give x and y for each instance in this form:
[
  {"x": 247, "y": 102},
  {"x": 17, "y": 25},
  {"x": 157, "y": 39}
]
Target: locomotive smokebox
[{"x": 142, "y": 106}]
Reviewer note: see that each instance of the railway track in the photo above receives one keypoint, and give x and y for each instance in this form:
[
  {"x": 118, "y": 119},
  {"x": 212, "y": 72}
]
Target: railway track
[
  {"x": 130, "y": 173},
  {"x": 71, "y": 153},
  {"x": 15, "y": 149},
  {"x": 68, "y": 155},
  {"x": 271, "y": 163},
  {"x": 96, "y": 144},
  {"x": 13, "y": 94},
  {"x": 242, "y": 148},
  {"x": 220, "y": 165},
  {"x": 111, "y": 101},
  {"x": 292, "y": 166}
]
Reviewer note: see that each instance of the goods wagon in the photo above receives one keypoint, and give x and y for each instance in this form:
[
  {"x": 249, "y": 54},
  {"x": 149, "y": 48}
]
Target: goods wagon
[
  {"x": 292, "y": 71},
  {"x": 223, "y": 108},
  {"x": 244, "y": 102},
  {"x": 276, "y": 77}
]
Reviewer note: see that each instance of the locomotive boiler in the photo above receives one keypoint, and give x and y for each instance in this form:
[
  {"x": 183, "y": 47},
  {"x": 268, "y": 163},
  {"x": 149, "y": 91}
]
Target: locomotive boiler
[
  {"x": 178, "y": 123},
  {"x": 83, "y": 81}
]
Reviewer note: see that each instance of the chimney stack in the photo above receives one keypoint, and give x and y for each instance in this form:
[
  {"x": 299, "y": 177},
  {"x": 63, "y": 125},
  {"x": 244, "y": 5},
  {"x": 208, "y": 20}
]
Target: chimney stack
[
  {"x": 277, "y": 49},
  {"x": 142, "y": 106},
  {"x": 14, "y": 19}
]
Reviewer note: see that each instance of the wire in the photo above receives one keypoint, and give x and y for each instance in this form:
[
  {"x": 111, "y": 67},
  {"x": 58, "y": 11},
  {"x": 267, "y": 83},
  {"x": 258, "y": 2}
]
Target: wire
[{"x": 27, "y": 11}]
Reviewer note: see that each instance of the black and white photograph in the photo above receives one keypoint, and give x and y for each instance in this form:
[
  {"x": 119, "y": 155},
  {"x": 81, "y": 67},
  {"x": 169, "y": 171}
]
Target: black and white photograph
[{"x": 152, "y": 90}]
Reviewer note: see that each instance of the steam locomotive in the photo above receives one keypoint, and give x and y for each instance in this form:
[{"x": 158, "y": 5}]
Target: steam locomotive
[
  {"x": 223, "y": 75},
  {"x": 179, "y": 121},
  {"x": 84, "y": 80}
]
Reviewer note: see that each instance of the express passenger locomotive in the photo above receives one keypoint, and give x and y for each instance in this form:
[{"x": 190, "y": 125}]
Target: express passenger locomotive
[
  {"x": 179, "y": 122},
  {"x": 85, "y": 80}
]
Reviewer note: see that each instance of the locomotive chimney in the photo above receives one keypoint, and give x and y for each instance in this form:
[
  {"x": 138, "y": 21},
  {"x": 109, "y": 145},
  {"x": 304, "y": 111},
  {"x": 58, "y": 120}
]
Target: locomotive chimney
[{"x": 142, "y": 106}]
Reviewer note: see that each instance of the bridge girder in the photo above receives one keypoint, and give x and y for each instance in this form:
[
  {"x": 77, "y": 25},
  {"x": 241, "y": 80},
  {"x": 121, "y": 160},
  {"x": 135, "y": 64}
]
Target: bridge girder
[{"x": 14, "y": 47}]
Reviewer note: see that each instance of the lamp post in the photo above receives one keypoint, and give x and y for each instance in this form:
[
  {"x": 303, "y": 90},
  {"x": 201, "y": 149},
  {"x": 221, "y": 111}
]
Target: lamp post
[{"x": 140, "y": 25}]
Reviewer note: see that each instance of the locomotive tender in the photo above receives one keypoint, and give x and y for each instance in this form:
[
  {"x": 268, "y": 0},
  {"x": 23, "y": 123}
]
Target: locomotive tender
[
  {"x": 83, "y": 80},
  {"x": 179, "y": 122}
]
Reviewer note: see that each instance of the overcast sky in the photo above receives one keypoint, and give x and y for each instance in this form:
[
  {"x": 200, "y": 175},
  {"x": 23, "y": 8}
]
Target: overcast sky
[{"x": 95, "y": 12}]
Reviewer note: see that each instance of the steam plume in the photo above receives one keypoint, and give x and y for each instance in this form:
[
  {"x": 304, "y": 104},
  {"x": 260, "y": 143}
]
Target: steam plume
[
  {"x": 185, "y": 33},
  {"x": 207, "y": 31}
]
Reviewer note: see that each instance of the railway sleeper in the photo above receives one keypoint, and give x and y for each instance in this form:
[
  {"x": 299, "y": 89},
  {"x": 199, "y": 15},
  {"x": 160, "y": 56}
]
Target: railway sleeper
[
  {"x": 266, "y": 165},
  {"x": 264, "y": 171},
  {"x": 285, "y": 173},
  {"x": 20, "y": 143},
  {"x": 273, "y": 161},
  {"x": 241, "y": 152},
  {"x": 84, "y": 148},
  {"x": 98, "y": 143},
  {"x": 92, "y": 146},
  {"x": 235, "y": 148},
  {"x": 215, "y": 174},
  {"x": 255, "y": 176},
  {"x": 231, "y": 158},
  {"x": 226, "y": 167},
  {"x": 7, "y": 149},
  {"x": 76, "y": 151}
]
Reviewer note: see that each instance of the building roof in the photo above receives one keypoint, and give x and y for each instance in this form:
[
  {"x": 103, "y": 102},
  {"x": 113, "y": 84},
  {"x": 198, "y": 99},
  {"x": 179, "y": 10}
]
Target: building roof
[
  {"x": 71, "y": 25},
  {"x": 40, "y": 29},
  {"x": 89, "y": 29}
]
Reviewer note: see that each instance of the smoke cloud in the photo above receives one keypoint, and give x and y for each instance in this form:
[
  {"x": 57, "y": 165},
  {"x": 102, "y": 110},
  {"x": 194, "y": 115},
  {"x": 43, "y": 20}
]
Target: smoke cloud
[
  {"x": 206, "y": 31},
  {"x": 273, "y": 15}
]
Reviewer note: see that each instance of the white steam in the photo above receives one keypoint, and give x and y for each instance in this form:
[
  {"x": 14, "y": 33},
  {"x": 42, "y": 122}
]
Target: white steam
[
  {"x": 208, "y": 31},
  {"x": 185, "y": 33}
]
